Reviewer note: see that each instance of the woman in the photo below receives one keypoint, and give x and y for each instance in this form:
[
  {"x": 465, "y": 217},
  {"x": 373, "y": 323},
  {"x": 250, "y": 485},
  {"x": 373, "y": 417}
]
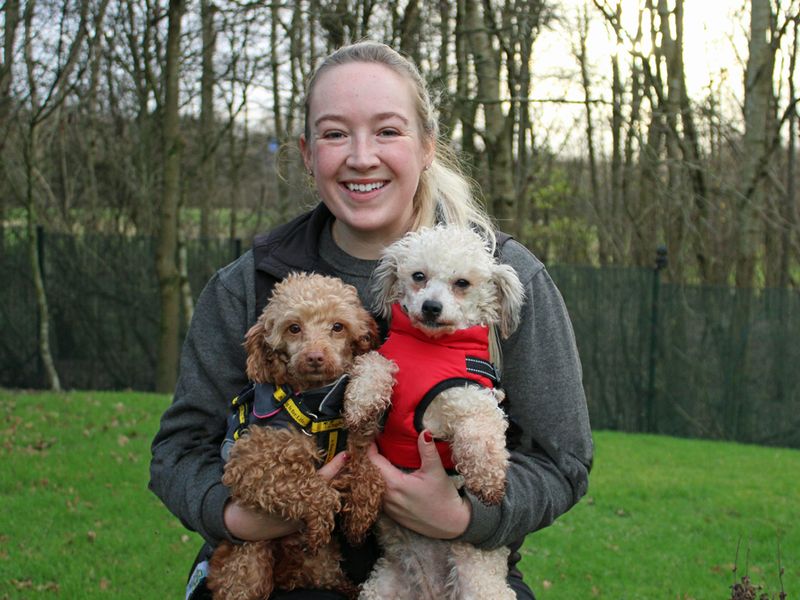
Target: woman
[{"x": 370, "y": 143}]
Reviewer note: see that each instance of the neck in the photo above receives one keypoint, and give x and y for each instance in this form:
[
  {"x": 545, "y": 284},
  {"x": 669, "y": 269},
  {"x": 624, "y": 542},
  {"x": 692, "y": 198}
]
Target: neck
[{"x": 363, "y": 245}]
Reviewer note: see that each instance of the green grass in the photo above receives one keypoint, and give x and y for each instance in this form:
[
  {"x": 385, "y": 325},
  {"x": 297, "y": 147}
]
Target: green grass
[
  {"x": 662, "y": 519},
  {"x": 77, "y": 520}
]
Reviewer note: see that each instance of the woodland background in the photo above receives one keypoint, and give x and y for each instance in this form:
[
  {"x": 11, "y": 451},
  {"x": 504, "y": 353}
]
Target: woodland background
[{"x": 177, "y": 122}]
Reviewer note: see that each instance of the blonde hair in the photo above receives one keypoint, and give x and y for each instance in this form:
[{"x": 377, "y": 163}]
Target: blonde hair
[{"x": 444, "y": 194}]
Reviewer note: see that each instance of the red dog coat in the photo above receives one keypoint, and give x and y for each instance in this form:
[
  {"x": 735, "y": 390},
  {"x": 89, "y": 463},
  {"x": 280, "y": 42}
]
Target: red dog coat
[{"x": 428, "y": 366}]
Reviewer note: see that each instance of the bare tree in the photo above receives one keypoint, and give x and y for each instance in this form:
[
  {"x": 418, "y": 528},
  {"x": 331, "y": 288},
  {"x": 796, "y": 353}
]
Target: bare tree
[
  {"x": 758, "y": 105},
  {"x": 496, "y": 133},
  {"x": 11, "y": 23},
  {"x": 167, "y": 244},
  {"x": 48, "y": 86},
  {"x": 11, "y": 18},
  {"x": 208, "y": 128}
]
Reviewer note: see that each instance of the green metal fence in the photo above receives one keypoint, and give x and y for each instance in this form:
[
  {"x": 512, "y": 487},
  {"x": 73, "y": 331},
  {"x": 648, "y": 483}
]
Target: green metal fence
[{"x": 695, "y": 361}]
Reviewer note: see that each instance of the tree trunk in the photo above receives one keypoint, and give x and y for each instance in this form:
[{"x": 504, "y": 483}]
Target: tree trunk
[
  {"x": 673, "y": 201},
  {"x": 43, "y": 311},
  {"x": 11, "y": 22},
  {"x": 597, "y": 197},
  {"x": 498, "y": 147},
  {"x": 758, "y": 103},
  {"x": 608, "y": 253},
  {"x": 409, "y": 31},
  {"x": 464, "y": 106},
  {"x": 281, "y": 187},
  {"x": 208, "y": 144},
  {"x": 167, "y": 245},
  {"x": 39, "y": 111},
  {"x": 788, "y": 215}
]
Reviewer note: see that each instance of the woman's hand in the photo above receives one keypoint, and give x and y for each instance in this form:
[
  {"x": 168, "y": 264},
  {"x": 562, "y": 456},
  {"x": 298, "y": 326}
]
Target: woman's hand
[
  {"x": 251, "y": 525},
  {"x": 425, "y": 500}
]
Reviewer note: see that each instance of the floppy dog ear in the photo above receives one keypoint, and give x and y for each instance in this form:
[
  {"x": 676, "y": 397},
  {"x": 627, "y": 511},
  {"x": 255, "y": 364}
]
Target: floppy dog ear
[
  {"x": 384, "y": 281},
  {"x": 512, "y": 295},
  {"x": 366, "y": 334},
  {"x": 263, "y": 363}
]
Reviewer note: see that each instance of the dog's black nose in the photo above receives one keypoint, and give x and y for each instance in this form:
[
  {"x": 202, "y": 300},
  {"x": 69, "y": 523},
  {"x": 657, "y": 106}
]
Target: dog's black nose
[{"x": 431, "y": 309}]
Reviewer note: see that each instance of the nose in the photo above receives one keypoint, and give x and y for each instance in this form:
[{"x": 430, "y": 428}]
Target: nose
[
  {"x": 431, "y": 309},
  {"x": 363, "y": 154},
  {"x": 315, "y": 359}
]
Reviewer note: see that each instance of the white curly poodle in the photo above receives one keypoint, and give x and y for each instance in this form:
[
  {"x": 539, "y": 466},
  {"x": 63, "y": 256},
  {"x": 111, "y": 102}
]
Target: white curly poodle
[{"x": 446, "y": 295}]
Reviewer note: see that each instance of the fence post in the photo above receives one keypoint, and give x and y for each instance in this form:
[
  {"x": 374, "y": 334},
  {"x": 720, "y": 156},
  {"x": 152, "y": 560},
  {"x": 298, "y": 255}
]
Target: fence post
[
  {"x": 40, "y": 374},
  {"x": 236, "y": 247},
  {"x": 650, "y": 416}
]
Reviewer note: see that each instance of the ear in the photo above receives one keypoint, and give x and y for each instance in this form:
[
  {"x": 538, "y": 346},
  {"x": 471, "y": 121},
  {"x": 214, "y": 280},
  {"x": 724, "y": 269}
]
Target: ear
[
  {"x": 263, "y": 363},
  {"x": 511, "y": 295},
  {"x": 385, "y": 281},
  {"x": 305, "y": 151},
  {"x": 429, "y": 152},
  {"x": 366, "y": 334}
]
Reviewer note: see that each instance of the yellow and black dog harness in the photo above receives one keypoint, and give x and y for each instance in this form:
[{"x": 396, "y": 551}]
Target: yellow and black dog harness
[{"x": 316, "y": 413}]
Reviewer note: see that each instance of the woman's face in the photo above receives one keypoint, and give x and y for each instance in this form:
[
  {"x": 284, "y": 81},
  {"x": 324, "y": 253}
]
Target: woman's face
[{"x": 366, "y": 152}]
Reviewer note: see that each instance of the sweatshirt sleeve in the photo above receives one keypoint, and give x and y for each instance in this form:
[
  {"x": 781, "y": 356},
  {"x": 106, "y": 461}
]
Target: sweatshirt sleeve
[
  {"x": 542, "y": 379},
  {"x": 186, "y": 466}
]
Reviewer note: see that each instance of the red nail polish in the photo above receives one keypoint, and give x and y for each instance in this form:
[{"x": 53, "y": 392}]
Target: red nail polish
[{"x": 426, "y": 435}]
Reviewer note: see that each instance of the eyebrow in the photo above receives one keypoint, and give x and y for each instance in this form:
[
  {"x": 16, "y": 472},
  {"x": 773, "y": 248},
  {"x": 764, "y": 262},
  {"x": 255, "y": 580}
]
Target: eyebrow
[{"x": 378, "y": 117}]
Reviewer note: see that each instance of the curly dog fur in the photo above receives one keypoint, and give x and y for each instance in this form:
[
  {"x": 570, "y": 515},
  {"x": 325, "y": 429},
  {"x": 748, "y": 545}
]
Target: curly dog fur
[
  {"x": 312, "y": 331},
  {"x": 446, "y": 279}
]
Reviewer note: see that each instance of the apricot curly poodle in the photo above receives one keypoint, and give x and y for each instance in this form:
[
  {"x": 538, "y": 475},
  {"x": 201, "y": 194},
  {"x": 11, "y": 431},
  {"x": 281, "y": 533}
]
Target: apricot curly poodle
[{"x": 313, "y": 330}]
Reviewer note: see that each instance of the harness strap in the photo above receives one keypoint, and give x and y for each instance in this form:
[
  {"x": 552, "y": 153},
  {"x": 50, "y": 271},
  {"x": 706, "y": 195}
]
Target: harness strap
[
  {"x": 437, "y": 389},
  {"x": 279, "y": 406},
  {"x": 478, "y": 366}
]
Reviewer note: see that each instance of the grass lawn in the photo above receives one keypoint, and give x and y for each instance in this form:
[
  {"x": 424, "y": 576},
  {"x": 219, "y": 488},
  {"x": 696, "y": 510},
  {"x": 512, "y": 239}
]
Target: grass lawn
[{"x": 663, "y": 517}]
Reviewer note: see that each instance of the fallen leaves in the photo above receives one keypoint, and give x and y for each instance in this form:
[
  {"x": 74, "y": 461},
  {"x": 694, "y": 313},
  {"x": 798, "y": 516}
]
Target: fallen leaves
[{"x": 27, "y": 584}]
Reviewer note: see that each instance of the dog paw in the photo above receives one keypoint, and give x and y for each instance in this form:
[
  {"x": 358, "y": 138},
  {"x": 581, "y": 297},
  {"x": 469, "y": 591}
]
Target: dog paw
[
  {"x": 491, "y": 497},
  {"x": 369, "y": 392},
  {"x": 317, "y": 532},
  {"x": 489, "y": 488}
]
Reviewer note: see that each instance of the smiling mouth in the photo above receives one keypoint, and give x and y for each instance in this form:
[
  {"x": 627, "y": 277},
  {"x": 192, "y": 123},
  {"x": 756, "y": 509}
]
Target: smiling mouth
[{"x": 365, "y": 187}]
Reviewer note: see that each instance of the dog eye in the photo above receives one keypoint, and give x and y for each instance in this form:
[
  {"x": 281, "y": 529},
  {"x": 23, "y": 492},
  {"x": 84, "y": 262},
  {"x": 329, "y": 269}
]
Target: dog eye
[
  {"x": 462, "y": 283},
  {"x": 294, "y": 328},
  {"x": 337, "y": 327},
  {"x": 419, "y": 276}
]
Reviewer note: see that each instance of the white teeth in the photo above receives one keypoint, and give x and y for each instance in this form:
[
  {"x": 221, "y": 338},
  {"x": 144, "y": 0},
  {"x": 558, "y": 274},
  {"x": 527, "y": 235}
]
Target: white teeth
[{"x": 364, "y": 187}]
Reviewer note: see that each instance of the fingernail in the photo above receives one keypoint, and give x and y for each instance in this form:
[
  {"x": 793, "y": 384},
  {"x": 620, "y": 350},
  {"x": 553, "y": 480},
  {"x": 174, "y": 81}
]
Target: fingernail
[
  {"x": 426, "y": 435},
  {"x": 346, "y": 456}
]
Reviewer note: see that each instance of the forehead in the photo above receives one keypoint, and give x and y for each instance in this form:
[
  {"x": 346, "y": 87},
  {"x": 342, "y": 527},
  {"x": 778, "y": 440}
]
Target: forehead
[
  {"x": 433, "y": 253},
  {"x": 361, "y": 90}
]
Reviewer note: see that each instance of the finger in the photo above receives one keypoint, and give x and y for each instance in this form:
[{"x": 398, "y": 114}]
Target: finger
[
  {"x": 374, "y": 455},
  {"x": 429, "y": 454},
  {"x": 387, "y": 469},
  {"x": 332, "y": 468}
]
